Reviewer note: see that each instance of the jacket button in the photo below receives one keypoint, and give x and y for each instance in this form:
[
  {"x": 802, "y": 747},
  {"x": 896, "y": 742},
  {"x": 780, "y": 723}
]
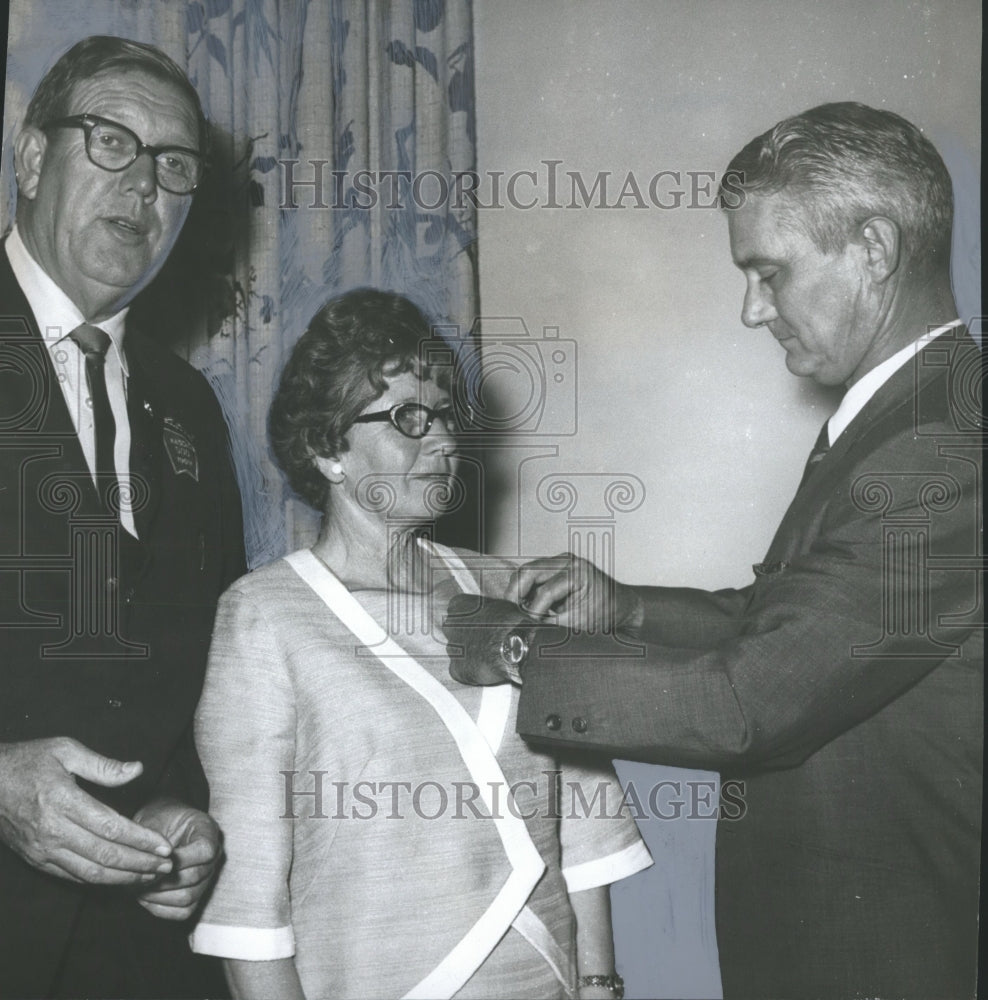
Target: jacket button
[
  {"x": 580, "y": 725},
  {"x": 553, "y": 722}
]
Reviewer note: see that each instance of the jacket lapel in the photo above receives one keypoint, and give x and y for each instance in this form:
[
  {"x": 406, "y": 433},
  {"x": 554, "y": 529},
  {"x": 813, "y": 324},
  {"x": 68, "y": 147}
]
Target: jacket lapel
[
  {"x": 34, "y": 405},
  {"x": 899, "y": 393},
  {"x": 146, "y": 412}
]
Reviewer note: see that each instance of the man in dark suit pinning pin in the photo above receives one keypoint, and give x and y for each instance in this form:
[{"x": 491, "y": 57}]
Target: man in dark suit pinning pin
[{"x": 843, "y": 686}]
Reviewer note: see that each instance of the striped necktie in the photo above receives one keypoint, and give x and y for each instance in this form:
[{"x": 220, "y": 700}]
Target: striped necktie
[{"x": 94, "y": 343}]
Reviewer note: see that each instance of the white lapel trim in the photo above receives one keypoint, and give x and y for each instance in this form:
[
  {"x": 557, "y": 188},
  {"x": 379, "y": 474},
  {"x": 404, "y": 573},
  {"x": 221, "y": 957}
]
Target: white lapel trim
[
  {"x": 495, "y": 709},
  {"x": 495, "y": 702},
  {"x": 535, "y": 932},
  {"x": 526, "y": 862}
]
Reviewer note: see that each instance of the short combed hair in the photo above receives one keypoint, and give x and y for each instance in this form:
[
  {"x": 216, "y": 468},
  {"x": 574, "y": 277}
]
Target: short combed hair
[
  {"x": 352, "y": 346},
  {"x": 841, "y": 164},
  {"x": 101, "y": 54}
]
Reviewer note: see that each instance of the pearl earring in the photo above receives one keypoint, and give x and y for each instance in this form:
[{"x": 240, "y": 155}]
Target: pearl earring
[{"x": 336, "y": 468}]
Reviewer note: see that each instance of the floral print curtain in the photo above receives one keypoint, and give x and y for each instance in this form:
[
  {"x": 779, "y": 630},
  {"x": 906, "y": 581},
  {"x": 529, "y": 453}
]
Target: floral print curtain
[{"x": 339, "y": 129}]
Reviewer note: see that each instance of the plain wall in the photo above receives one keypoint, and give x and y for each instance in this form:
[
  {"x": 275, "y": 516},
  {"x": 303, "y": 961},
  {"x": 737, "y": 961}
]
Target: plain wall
[{"x": 669, "y": 386}]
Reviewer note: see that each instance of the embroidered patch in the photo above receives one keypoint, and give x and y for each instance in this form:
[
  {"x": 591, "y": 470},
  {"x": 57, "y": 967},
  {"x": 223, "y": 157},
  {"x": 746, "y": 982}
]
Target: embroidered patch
[{"x": 181, "y": 450}]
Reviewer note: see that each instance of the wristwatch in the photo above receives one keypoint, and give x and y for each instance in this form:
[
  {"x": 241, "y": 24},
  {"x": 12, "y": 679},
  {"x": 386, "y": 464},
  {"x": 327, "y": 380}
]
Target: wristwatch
[
  {"x": 514, "y": 651},
  {"x": 614, "y": 983}
]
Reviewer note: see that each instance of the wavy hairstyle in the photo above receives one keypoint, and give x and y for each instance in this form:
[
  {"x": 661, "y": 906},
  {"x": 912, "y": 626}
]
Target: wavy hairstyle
[
  {"x": 352, "y": 346},
  {"x": 839, "y": 165}
]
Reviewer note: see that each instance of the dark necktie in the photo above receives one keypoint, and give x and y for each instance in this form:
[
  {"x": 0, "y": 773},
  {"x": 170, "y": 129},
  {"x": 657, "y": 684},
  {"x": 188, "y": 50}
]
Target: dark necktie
[
  {"x": 820, "y": 449},
  {"x": 94, "y": 343}
]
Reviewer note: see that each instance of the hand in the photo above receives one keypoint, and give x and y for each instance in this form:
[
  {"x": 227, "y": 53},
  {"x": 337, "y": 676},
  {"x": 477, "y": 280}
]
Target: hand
[
  {"x": 197, "y": 849},
  {"x": 475, "y": 628},
  {"x": 54, "y": 825},
  {"x": 578, "y": 594}
]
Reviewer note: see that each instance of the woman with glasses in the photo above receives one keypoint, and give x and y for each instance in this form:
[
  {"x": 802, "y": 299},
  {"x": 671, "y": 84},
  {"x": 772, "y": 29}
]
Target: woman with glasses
[{"x": 387, "y": 833}]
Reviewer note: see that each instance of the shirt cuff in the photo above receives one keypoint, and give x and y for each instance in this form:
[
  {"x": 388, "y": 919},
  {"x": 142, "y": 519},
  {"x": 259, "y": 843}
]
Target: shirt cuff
[
  {"x": 603, "y": 871},
  {"x": 257, "y": 944}
]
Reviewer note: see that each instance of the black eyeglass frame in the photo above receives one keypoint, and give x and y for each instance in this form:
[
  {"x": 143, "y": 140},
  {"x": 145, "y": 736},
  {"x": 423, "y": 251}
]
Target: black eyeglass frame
[
  {"x": 446, "y": 413},
  {"x": 88, "y": 122}
]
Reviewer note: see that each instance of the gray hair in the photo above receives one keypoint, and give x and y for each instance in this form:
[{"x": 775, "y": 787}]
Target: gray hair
[
  {"x": 100, "y": 54},
  {"x": 843, "y": 163}
]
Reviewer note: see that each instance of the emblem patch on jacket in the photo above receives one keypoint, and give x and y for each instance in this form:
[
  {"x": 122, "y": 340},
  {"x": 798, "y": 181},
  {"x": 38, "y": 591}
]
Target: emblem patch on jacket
[{"x": 181, "y": 450}]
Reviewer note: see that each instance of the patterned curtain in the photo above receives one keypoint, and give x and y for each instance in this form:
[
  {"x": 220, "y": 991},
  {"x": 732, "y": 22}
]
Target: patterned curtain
[{"x": 339, "y": 128}]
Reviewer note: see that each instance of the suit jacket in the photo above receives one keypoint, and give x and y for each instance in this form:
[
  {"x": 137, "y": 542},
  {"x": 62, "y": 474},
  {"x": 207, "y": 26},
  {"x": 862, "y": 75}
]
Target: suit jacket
[
  {"x": 844, "y": 687},
  {"x": 104, "y": 638}
]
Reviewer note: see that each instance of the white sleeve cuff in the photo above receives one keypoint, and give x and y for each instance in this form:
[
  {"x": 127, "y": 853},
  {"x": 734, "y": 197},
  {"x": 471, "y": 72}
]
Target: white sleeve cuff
[
  {"x": 604, "y": 871},
  {"x": 252, "y": 944}
]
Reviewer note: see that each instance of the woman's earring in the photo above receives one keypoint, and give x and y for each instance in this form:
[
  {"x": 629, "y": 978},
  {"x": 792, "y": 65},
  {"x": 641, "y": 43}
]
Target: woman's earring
[{"x": 330, "y": 468}]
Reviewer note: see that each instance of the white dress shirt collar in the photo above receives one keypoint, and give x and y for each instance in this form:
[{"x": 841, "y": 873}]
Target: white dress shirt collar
[
  {"x": 57, "y": 316},
  {"x": 54, "y": 312},
  {"x": 858, "y": 395}
]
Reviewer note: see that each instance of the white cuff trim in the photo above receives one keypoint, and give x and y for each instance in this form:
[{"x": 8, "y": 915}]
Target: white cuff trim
[
  {"x": 252, "y": 944},
  {"x": 604, "y": 871}
]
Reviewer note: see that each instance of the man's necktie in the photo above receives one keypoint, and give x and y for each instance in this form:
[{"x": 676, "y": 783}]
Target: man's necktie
[
  {"x": 94, "y": 343},
  {"x": 820, "y": 448}
]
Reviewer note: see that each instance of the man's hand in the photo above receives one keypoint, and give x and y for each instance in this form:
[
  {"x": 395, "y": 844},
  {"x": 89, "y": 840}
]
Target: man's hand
[
  {"x": 54, "y": 825},
  {"x": 476, "y": 628},
  {"x": 197, "y": 849},
  {"x": 575, "y": 593}
]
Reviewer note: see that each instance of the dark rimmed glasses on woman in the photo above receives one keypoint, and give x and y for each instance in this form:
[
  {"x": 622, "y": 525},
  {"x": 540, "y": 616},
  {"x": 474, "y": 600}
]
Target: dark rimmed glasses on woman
[
  {"x": 114, "y": 147},
  {"x": 415, "y": 420}
]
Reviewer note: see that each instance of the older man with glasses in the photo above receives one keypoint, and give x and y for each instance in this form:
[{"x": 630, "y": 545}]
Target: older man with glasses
[{"x": 120, "y": 525}]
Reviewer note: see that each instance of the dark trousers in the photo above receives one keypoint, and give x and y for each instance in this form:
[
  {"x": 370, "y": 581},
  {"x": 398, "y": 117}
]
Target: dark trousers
[{"x": 118, "y": 950}]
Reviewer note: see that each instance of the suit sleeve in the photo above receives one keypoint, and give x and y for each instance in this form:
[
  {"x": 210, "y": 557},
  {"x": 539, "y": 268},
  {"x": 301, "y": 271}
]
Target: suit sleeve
[
  {"x": 841, "y": 629},
  {"x": 695, "y": 619}
]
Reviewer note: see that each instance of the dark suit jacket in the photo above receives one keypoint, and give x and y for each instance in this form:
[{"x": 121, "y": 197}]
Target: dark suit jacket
[
  {"x": 844, "y": 686},
  {"x": 104, "y": 638}
]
